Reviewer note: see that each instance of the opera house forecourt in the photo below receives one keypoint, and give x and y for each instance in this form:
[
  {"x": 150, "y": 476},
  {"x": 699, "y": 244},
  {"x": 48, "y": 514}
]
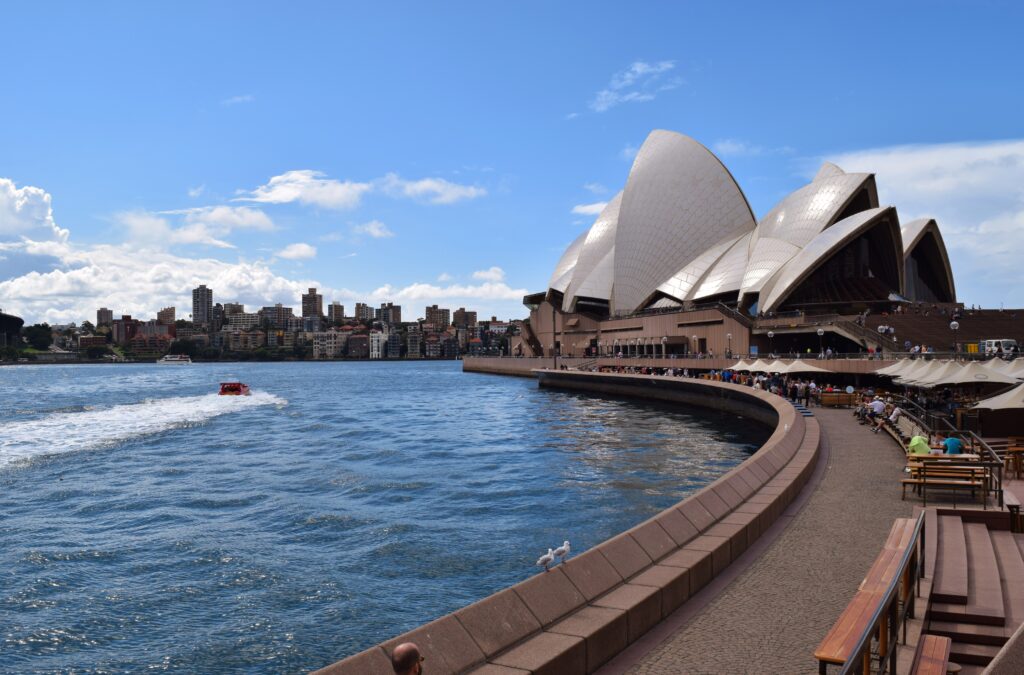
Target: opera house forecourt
[{"x": 675, "y": 281}]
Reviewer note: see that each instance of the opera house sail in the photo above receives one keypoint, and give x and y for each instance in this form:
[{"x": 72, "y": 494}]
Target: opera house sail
[{"x": 681, "y": 235}]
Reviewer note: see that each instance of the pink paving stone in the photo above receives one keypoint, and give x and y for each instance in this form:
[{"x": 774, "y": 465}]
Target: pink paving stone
[
  {"x": 604, "y": 629},
  {"x": 653, "y": 539},
  {"x": 699, "y": 564},
  {"x": 715, "y": 505},
  {"x": 498, "y": 621},
  {"x": 625, "y": 555},
  {"x": 642, "y": 605},
  {"x": 674, "y": 583},
  {"x": 549, "y": 595},
  {"x": 547, "y": 654},
  {"x": 696, "y": 513},
  {"x": 717, "y": 546},
  {"x": 591, "y": 573},
  {"x": 677, "y": 525},
  {"x": 445, "y": 644}
]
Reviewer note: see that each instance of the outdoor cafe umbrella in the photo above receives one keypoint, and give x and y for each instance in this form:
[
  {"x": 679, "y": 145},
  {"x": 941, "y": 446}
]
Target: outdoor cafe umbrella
[
  {"x": 1008, "y": 400},
  {"x": 974, "y": 373},
  {"x": 895, "y": 369},
  {"x": 762, "y": 366},
  {"x": 799, "y": 366},
  {"x": 931, "y": 375},
  {"x": 918, "y": 370},
  {"x": 739, "y": 365}
]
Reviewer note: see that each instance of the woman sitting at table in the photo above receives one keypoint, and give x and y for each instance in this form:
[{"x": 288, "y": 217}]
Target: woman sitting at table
[{"x": 951, "y": 445}]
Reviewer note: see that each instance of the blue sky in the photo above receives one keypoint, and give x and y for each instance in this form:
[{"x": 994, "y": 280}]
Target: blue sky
[{"x": 437, "y": 153}]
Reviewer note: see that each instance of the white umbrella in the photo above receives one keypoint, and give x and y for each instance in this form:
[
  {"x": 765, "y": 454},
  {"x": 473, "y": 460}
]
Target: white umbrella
[
  {"x": 895, "y": 369},
  {"x": 917, "y": 370},
  {"x": 976, "y": 373},
  {"x": 1008, "y": 400},
  {"x": 933, "y": 375},
  {"x": 761, "y": 366},
  {"x": 739, "y": 365},
  {"x": 799, "y": 366}
]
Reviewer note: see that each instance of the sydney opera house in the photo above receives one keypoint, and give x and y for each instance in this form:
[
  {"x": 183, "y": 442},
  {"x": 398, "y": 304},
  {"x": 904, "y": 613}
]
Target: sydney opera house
[{"x": 678, "y": 263}]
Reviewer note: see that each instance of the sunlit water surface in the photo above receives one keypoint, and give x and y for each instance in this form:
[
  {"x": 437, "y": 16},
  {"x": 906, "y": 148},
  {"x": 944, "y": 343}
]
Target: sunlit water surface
[{"x": 148, "y": 524}]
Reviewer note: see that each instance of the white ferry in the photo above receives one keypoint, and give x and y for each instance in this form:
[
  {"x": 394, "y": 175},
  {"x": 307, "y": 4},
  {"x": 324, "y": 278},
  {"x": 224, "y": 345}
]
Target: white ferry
[{"x": 175, "y": 359}]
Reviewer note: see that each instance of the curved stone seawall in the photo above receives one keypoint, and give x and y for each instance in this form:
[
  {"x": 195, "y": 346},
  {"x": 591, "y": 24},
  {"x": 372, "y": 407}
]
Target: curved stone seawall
[{"x": 576, "y": 617}]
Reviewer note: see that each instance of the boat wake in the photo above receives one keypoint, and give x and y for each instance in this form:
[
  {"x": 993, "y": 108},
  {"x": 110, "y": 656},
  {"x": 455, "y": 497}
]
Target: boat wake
[{"x": 64, "y": 432}]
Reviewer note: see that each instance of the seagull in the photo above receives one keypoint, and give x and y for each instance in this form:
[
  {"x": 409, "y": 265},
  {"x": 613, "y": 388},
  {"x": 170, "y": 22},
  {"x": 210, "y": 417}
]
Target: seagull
[
  {"x": 546, "y": 559},
  {"x": 562, "y": 551}
]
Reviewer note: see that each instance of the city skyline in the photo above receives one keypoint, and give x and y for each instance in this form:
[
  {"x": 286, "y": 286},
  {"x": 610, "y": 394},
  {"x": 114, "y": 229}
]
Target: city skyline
[{"x": 130, "y": 176}]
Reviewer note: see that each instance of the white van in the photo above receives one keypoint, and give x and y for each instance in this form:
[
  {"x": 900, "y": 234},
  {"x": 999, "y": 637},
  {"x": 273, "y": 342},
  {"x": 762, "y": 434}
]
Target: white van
[{"x": 991, "y": 346}]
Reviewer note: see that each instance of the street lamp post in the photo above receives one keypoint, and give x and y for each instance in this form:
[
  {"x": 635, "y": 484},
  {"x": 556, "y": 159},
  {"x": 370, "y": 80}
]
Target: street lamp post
[
  {"x": 728, "y": 351},
  {"x": 664, "y": 340},
  {"x": 821, "y": 332},
  {"x": 954, "y": 326},
  {"x": 771, "y": 338},
  {"x": 693, "y": 344}
]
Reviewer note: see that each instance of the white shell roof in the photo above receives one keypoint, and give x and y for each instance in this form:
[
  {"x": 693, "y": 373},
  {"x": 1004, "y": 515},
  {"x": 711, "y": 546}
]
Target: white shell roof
[
  {"x": 594, "y": 271},
  {"x": 679, "y": 202},
  {"x": 819, "y": 250},
  {"x": 914, "y": 231},
  {"x": 727, "y": 273},
  {"x": 796, "y": 220},
  {"x": 563, "y": 270},
  {"x": 683, "y": 282}
]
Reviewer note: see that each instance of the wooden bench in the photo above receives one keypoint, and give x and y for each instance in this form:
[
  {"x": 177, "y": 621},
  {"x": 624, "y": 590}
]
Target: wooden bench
[
  {"x": 931, "y": 656},
  {"x": 928, "y": 474},
  {"x": 838, "y": 645},
  {"x": 837, "y": 398}
]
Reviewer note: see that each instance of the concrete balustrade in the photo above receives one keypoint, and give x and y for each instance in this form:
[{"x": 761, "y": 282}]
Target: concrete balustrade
[{"x": 580, "y": 614}]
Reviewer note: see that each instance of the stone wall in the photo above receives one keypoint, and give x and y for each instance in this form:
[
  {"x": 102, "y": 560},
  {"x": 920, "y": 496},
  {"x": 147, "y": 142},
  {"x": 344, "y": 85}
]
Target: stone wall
[{"x": 576, "y": 617}]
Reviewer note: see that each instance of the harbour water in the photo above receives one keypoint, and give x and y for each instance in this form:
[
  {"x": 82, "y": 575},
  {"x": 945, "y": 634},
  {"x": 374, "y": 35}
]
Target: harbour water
[{"x": 148, "y": 524}]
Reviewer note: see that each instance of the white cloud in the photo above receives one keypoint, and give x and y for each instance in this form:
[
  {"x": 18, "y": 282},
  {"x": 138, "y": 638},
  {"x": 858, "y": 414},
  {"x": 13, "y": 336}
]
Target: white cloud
[
  {"x": 491, "y": 274},
  {"x": 206, "y": 225},
  {"x": 375, "y": 229},
  {"x": 196, "y": 191},
  {"x": 235, "y": 100},
  {"x": 595, "y": 188},
  {"x": 443, "y": 277},
  {"x": 629, "y": 151},
  {"x": 572, "y": 116},
  {"x": 594, "y": 209},
  {"x": 640, "y": 82},
  {"x": 308, "y": 187},
  {"x": 297, "y": 251},
  {"x": 428, "y": 293},
  {"x": 433, "y": 190},
  {"x": 314, "y": 188},
  {"x": 731, "y": 147},
  {"x": 27, "y": 212},
  {"x": 974, "y": 191}
]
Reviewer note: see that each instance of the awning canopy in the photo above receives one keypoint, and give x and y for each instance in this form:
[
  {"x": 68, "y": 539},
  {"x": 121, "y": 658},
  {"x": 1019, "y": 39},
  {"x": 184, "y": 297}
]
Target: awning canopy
[{"x": 1008, "y": 400}]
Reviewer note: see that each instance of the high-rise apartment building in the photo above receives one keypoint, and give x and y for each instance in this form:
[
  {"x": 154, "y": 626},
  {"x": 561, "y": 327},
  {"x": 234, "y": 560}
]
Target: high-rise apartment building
[
  {"x": 378, "y": 341},
  {"x": 364, "y": 312},
  {"x": 413, "y": 344},
  {"x": 233, "y": 308},
  {"x": 394, "y": 345},
  {"x": 202, "y": 305},
  {"x": 440, "y": 318},
  {"x": 312, "y": 304},
  {"x": 104, "y": 316},
  {"x": 165, "y": 316},
  {"x": 335, "y": 313},
  {"x": 390, "y": 314},
  {"x": 277, "y": 316},
  {"x": 463, "y": 319}
]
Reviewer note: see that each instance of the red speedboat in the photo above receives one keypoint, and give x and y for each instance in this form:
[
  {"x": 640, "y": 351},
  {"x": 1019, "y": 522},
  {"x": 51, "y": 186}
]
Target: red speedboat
[{"x": 234, "y": 389}]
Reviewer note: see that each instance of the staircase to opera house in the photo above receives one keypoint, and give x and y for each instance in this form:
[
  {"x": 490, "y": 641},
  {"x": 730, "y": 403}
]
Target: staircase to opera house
[{"x": 977, "y": 597}]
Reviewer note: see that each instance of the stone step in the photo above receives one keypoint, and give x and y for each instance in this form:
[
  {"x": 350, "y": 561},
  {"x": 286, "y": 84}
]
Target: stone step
[
  {"x": 979, "y": 655},
  {"x": 985, "y": 591},
  {"x": 951, "y": 562}
]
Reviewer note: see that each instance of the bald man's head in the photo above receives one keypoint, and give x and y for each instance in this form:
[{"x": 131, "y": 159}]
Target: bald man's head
[{"x": 405, "y": 659}]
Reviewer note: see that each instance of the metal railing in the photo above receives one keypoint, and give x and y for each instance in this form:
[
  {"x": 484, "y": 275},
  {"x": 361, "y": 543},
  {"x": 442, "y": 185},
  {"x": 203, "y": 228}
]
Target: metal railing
[{"x": 880, "y": 638}]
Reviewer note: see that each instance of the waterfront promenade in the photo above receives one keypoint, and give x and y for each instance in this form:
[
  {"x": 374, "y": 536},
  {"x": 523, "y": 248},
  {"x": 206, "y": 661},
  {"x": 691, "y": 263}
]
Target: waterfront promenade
[{"x": 774, "y": 612}]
